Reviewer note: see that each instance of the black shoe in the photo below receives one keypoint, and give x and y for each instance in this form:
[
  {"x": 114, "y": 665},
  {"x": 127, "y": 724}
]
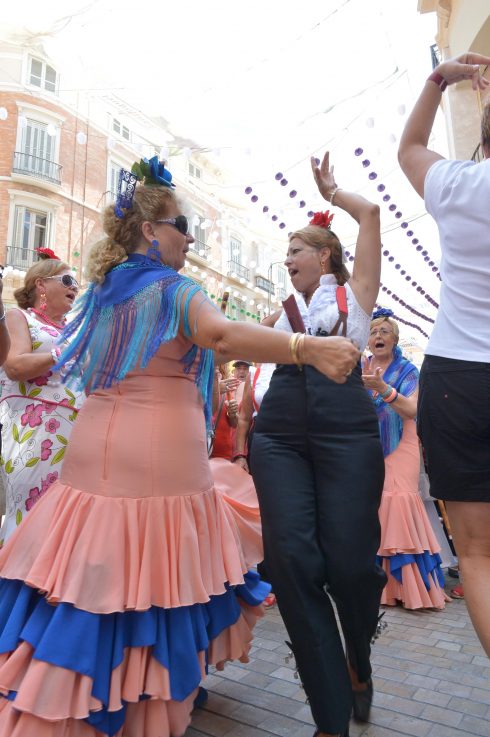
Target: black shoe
[
  {"x": 361, "y": 702},
  {"x": 453, "y": 571}
]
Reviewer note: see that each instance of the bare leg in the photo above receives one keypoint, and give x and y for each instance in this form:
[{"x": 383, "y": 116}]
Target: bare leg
[{"x": 470, "y": 524}]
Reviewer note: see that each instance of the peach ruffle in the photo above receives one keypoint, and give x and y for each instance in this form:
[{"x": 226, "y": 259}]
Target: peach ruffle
[
  {"x": 412, "y": 592},
  {"x": 106, "y": 554},
  {"x": 54, "y": 696}
]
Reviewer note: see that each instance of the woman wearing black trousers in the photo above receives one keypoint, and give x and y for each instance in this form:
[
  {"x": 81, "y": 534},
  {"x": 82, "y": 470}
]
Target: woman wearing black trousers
[{"x": 318, "y": 468}]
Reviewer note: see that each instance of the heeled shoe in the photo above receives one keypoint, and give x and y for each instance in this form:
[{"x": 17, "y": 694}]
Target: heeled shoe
[{"x": 361, "y": 702}]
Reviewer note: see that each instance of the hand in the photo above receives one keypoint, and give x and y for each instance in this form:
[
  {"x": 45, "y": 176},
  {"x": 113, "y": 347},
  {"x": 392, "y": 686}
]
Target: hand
[
  {"x": 232, "y": 408},
  {"x": 229, "y": 385},
  {"x": 465, "y": 66},
  {"x": 333, "y": 356},
  {"x": 242, "y": 462},
  {"x": 324, "y": 177},
  {"x": 372, "y": 380}
]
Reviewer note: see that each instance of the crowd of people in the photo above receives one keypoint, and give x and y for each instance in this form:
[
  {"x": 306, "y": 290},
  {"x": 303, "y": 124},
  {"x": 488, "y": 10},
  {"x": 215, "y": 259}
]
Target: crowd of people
[{"x": 165, "y": 468}]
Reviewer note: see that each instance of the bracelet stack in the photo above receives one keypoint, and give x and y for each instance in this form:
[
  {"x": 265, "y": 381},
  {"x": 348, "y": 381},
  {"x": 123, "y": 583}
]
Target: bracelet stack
[
  {"x": 295, "y": 347},
  {"x": 390, "y": 395}
]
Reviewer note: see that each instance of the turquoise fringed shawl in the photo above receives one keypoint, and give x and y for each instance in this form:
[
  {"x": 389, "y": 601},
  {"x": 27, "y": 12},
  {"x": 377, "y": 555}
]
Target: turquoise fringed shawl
[
  {"x": 404, "y": 376},
  {"x": 119, "y": 325}
]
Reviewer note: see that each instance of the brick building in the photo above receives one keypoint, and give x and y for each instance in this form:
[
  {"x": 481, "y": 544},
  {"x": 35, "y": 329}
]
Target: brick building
[{"x": 60, "y": 154}]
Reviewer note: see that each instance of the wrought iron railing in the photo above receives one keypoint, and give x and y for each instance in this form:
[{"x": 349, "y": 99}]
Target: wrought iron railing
[
  {"x": 235, "y": 267},
  {"x": 435, "y": 55},
  {"x": 26, "y": 163},
  {"x": 262, "y": 283},
  {"x": 200, "y": 249},
  {"x": 20, "y": 258}
]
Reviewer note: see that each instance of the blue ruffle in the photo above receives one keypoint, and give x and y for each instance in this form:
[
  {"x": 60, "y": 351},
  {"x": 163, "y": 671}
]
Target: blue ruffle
[
  {"x": 93, "y": 644},
  {"x": 429, "y": 565}
]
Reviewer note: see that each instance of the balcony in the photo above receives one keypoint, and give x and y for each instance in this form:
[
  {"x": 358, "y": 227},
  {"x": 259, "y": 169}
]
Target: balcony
[
  {"x": 20, "y": 258},
  {"x": 33, "y": 166},
  {"x": 199, "y": 248},
  {"x": 236, "y": 270},
  {"x": 262, "y": 283},
  {"x": 435, "y": 55}
]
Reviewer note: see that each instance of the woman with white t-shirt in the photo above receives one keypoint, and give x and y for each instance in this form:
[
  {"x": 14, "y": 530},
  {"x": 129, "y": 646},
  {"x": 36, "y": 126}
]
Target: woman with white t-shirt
[{"x": 454, "y": 399}]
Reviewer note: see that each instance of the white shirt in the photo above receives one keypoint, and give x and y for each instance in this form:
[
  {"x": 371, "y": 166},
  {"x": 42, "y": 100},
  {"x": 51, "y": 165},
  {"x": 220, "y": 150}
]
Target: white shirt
[
  {"x": 322, "y": 313},
  {"x": 457, "y": 195}
]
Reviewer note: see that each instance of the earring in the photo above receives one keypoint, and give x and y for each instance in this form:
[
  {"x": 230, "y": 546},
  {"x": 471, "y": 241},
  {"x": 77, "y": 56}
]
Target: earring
[
  {"x": 43, "y": 304},
  {"x": 153, "y": 253},
  {"x": 323, "y": 267}
]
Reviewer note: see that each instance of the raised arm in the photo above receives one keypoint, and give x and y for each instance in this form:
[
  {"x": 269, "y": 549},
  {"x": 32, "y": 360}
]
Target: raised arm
[
  {"x": 367, "y": 263},
  {"x": 414, "y": 156}
]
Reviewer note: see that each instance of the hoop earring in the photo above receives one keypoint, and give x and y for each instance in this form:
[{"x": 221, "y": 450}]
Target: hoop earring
[
  {"x": 323, "y": 267},
  {"x": 43, "y": 304}
]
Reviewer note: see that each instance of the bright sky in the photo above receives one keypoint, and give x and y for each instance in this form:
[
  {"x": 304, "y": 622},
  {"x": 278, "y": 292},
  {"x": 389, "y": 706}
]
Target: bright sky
[{"x": 264, "y": 85}]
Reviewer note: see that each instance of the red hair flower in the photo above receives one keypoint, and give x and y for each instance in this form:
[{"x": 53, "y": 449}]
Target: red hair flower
[
  {"x": 322, "y": 219},
  {"x": 47, "y": 253}
]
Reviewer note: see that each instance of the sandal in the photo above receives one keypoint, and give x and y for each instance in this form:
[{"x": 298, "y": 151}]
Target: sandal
[
  {"x": 457, "y": 592},
  {"x": 270, "y": 600}
]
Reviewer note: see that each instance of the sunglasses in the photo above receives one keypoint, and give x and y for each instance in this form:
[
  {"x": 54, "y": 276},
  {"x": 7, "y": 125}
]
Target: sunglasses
[
  {"x": 67, "y": 280},
  {"x": 180, "y": 222}
]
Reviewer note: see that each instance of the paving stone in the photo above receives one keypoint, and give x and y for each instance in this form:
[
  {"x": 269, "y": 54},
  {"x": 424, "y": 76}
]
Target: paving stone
[{"x": 431, "y": 679}]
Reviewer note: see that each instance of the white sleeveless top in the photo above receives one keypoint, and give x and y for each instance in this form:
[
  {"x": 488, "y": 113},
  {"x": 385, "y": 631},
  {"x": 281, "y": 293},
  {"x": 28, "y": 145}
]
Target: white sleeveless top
[{"x": 322, "y": 313}]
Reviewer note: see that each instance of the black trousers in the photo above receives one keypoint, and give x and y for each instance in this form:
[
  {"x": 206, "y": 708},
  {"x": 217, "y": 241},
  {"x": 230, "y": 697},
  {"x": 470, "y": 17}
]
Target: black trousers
[{"x": 318, "y": 467}]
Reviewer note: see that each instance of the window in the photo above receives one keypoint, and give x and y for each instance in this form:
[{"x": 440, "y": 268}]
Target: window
[
  {"x": 112, "y": 180},
  {"x": 121, "y": 129},
  {"x": 194, "y": 171},
  {"x": 31, "y": 231},
  {"x": 235, "y": 250},
  {"x": 199, "y": 232},
  {"x": 42, "y": 75},
  {"x": 37, "y": 155}
]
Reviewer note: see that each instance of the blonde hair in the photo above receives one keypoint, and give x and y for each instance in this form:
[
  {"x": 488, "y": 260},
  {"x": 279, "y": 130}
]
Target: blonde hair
[
  {"x": 123, "y": 234},
  {"x": 485, "y": 129},
  {"x": 379, "y": 320},
  {"x": 26, "y": 296},
  {"x": 320, "y": 238}
]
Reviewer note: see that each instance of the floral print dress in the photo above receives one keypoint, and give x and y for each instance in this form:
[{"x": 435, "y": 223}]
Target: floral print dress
[{"x": 37, "y": 418}]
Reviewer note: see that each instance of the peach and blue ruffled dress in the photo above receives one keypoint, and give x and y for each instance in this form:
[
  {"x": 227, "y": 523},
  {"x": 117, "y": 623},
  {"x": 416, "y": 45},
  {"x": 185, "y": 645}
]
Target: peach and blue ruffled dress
[{"x": 131, "y": 575}]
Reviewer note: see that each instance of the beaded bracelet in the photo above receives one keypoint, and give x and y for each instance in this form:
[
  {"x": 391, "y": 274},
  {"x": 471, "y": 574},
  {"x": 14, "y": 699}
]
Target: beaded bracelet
[
  {"x": 387, "y": 392},
  {"x": 332, "y": 194}
]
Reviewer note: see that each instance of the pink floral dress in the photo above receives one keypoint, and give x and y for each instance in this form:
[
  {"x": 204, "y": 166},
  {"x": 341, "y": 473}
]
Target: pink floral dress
[{"x": 37, "y": 417}]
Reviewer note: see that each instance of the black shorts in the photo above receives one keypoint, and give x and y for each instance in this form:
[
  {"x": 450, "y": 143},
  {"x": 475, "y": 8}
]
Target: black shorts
[{"x": 454, "y": 427}]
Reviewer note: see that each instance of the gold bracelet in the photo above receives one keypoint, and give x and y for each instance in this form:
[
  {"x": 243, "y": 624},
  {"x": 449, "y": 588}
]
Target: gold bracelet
[
  {"x": 293, "y": 347},
  {"x": 332, "y": 194}
]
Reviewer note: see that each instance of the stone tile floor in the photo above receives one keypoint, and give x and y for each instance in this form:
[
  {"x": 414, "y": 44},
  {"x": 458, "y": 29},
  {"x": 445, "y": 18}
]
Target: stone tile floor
[{"x": 431, "y": 679}]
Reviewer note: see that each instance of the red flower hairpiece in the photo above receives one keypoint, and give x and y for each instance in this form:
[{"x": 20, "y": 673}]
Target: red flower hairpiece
[
  {"x": 47, "y": 253},
  {"x": 322, "y": 219}
]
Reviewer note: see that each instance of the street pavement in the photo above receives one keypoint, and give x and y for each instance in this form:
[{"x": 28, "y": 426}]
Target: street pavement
[{"x": 431, "y": 679}]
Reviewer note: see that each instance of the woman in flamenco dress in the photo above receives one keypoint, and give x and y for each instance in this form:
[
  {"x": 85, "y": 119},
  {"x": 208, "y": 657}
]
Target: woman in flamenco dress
[{"x": 131, "y": 574}]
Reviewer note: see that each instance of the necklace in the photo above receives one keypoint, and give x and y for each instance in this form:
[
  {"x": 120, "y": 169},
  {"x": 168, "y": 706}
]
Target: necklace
[{"x": 47, "y": 319}]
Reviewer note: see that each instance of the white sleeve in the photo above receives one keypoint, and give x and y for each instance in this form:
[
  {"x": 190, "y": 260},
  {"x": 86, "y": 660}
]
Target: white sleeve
[{"x": 439, "y": 183}]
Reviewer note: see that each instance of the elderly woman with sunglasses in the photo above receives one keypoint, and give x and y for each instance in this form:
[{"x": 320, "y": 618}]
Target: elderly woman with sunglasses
[{"x": 36, "y": 410}]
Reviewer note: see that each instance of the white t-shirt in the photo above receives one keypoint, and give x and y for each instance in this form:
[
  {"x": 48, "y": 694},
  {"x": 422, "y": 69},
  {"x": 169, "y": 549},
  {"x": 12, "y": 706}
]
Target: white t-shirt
[{"x": 457, "y": 195}]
